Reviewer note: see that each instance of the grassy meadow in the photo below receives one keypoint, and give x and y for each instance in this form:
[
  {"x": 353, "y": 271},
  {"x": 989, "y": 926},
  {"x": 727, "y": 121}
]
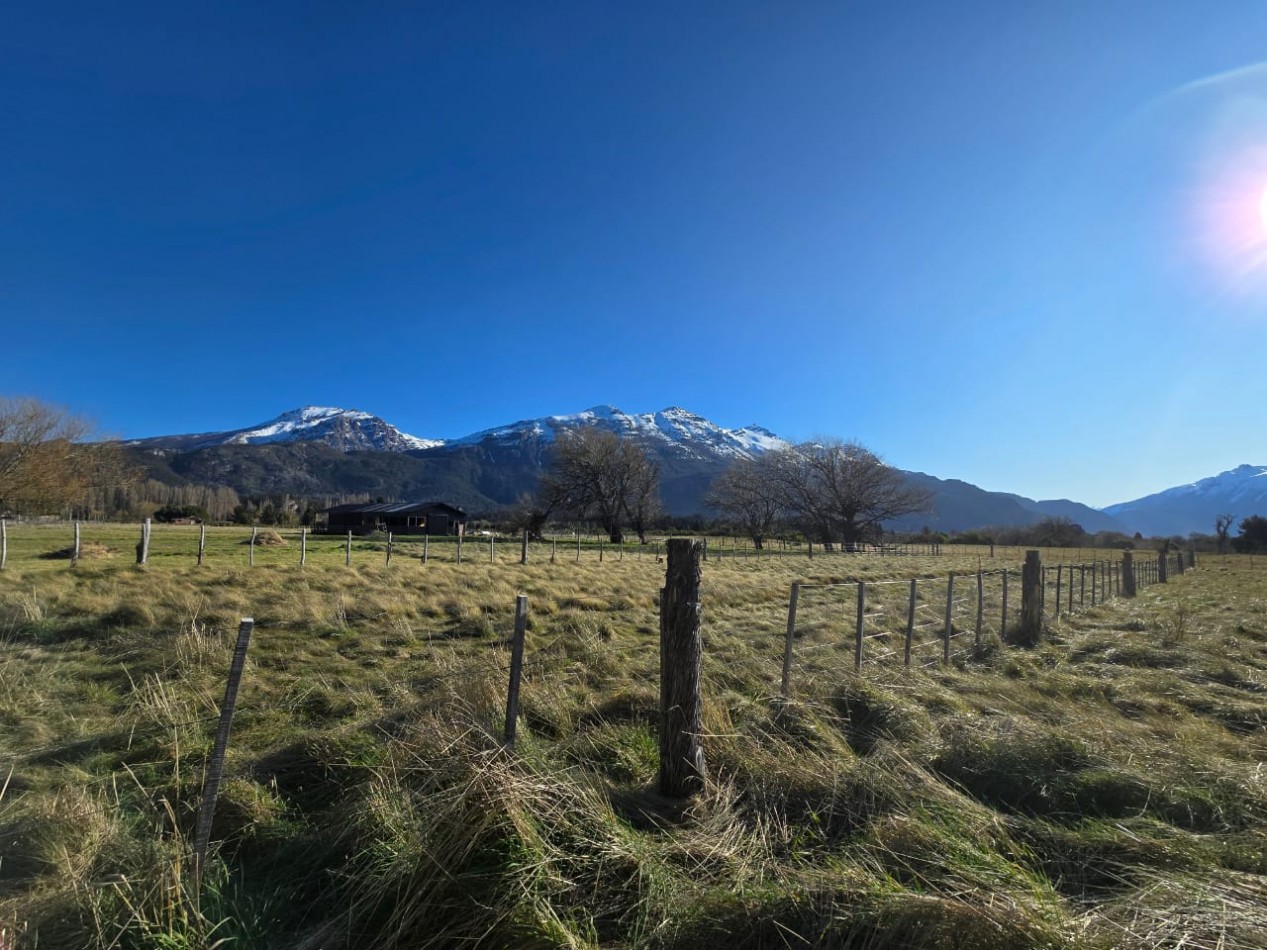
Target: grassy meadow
[{"x": 1104, "y": 789}]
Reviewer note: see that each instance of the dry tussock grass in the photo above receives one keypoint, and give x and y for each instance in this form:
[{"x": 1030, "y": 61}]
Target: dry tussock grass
[{"x": 1102, "y": 789}]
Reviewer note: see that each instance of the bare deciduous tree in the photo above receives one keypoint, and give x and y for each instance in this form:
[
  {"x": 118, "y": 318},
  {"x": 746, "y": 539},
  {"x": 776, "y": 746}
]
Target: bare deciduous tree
[
  {"x": 1223, "y": 525},
  {"x": 748, "y": 492},
  {"x": 45, "y": 464},
  {"x": 596, "y": 474},
  {"x": 842, "y": 491}
]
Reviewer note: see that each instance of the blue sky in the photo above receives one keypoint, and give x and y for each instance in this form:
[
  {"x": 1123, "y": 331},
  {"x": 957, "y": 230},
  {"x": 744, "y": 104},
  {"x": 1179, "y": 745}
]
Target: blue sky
[{"x": 1017, "y": 244}]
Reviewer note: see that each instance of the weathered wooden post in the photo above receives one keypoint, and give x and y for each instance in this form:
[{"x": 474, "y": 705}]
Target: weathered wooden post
[
  {"x": 4, "y": 543},
  {"x": 705, "y": 554},
  {"x": 459, "y": 551},
  {"x": 787, "y": 642},
  {"x": 1082, "y": 585},
  {"x": 1003, "y": 616},
  {"x": 602, "y": 546},
  {"x": 516, "y": 667},
  {"x": 215, "y": 766},
  {"x": 1031, "y": 626},
  {"x": 347, "y": 551},
  {"x": 523, "y": 548},
  {"x": 250, "y": 552},
  {"x": 910, "y": 625},
  {"x": 810, "y": 548},
  {"x": 554, "y": 548},
  {"x": 389, "y": 550},
  {"x": 492, "y": 554},
  {"x": 981, "y": 608},
  {"x": 1060, "y": 573},
  {"x": 74, "y": 551},
  {"x": 1161, "y": 567},
  {"x": 950, "y": 604},
  {"x": 303, "y": 546},
  {"x": 426, "y": 538},
  {"x": 1179, "y": 566},
  {"x": 202, "y": 544},
  {"x": 578, "y": 545},
  {"x": 681, "y": 707},
  {"x": 858, "y": 632},
  {"x": 1128, "y": 574},
  {"x": 143, "y": 546}
]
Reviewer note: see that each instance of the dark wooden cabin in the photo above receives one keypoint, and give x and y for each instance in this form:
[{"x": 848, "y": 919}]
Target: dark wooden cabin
[{"x": 400, "y": 517}]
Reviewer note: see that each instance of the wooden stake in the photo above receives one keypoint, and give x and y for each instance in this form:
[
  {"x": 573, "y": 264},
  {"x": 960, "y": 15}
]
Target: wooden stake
[
  {"x": 250, "y": 554},
  {"x": 523, "y": 548},
  {"x": 425, "y": 539},
  {"x": 303, "y": 546},
  {"x": 389, "y": 549},
  {"x": 1032, "y": 597},
  {"x": 950, "y": 605},
  {"x": 215, "y": 767},
  {"x": 1128, "y": 574},
  {"x": 787, "y": 644},
  {"x": 202, "y": 543},
  {"x": 682, "y": 770},
  {"x": 980, "y": 608},
  {"x": 4, "y": 543},
  {"x": 74, "y": 552},
  {"x": 1003, "y": 617},
  {"x": 516, "y": 667},
  {"x": 858, "y": 629},
  {"x": 910, "y": 625},
  {"x": 347, "y": 552}
]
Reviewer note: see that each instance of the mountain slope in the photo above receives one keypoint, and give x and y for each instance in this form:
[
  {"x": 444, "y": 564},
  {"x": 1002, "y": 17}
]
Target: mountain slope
[
  {"x": 325, "y": 451},
  {"x": 346, "y": 430},
  {"x": 1240, "y": 492}
]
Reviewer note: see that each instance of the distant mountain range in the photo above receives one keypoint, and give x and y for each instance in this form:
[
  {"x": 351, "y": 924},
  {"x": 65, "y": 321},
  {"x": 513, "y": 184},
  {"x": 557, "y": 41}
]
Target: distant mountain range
[
  {"x": 330, "y": 451},
  {"x": 1240, "y": 492}
]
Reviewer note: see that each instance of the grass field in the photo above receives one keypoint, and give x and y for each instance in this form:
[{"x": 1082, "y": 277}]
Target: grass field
[{"x": 1105, "y": 789}]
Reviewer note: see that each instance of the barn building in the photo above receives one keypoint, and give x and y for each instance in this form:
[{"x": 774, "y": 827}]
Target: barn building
[{"x": 401, "y": 517}]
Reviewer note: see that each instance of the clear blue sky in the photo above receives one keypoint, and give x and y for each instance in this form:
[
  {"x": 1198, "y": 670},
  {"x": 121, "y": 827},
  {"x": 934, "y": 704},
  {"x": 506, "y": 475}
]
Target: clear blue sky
[{"x": 1018, "y": 244}]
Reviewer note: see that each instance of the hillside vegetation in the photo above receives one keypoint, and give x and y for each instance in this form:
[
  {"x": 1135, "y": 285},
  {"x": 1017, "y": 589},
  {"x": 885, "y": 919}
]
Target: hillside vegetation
[{"x": 1104, "y": 789}]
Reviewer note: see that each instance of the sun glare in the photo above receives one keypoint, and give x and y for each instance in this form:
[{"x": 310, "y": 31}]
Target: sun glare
[{"x": 1262, "y": 210}]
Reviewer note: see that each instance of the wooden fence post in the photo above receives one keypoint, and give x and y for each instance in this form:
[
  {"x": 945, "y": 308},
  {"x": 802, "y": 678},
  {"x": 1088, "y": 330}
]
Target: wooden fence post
[
  {"x": 910, "y": 625},
  {"x": 215, "y": 767},
  {"x": 681, "y": 708},
  {"x": 250, "y": 553},
  {"x": 554, "y": 548},
  {"x": 143, "y": 546},
  {"x": 74, "y": 551},
  {"x": 578, "y": 546},
  {"x": 523, "y": 548},
  {"x": 950, "y": 603},
  {"x": 303, "y": 546},
  {"x": 1003, "y": 617},
  {"x": 787, "y": 643},
  {"x": 1161, "y": 567},
  {"x": 459, "y": 554},
  {"x": 4, "y": 543},
  {"x": 980, "y": 608},
  {"x": 426, "y": 538},
  {"x": 202, "y": 543},
  {"x": 1060, "y": 573},
  {"x": 1031, "y": 597},
  {"x": 492, "y": 554},
  {"x": 1128, "y": 574},
  {"x": 516, "y": 667},
  {"x": 389, "y": 549},
  {"x": 347, "y": 552},
  {"x": 858, "y": 633}
]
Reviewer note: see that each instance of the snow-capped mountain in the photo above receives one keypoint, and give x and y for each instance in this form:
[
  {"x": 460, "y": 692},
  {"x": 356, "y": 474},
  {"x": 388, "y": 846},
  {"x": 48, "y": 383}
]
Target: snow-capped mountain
[
  {"x": 675, "y": 430},
  {"x": 348, "y": 430},
  {"x": 1240, "y": 492}
]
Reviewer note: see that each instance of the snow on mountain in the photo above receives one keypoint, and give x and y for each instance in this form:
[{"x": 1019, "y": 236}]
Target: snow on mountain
[
  {"x": 348, "y": 430},
  {"x": 675, "y": 429},
  {"x": 1241, "y": 491}
]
